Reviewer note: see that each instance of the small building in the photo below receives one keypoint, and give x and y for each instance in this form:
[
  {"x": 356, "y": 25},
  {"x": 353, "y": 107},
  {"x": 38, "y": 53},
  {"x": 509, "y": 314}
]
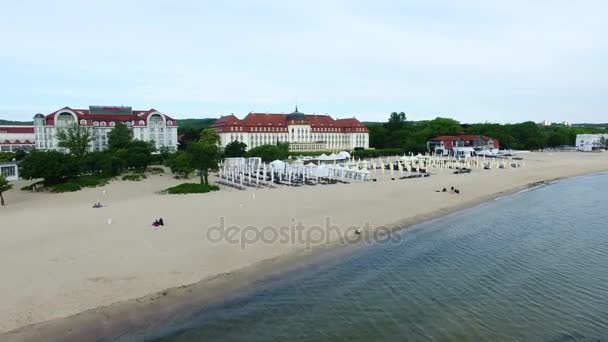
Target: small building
[
  {"x": 590, "y": 142},
  {"x": 10, "y": 170},
  {"x": 303, "y": 132},
  {"x": 448, "y": 144},
  {"x": 13, "y": 138}
]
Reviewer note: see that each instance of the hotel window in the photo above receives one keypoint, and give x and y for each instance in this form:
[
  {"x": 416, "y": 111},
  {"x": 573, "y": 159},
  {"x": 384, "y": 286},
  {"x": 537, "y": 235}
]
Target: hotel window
[
  {"x": 112, "y": 124},
  {"x": 95, "y": 123},
  {"x": 169, "y": 123},
  {"x": 103, "y": 124},
  {"x": 83, "y": 122},
  {"x": 142, "y": 122}
]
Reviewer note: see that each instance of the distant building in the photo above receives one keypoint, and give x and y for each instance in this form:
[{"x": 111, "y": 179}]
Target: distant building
[
  {"x": 147, "y": 125},
  {"x": 303, "y": 132},
  {"x": 567, "y": 123},
  {"x": 447, "y": 144},
  {"x": 9, "y": 170},
  {"x": 546, "y": 123},
  {"x": 590, "y": 142},
  {"x": 14, "y": 138}
]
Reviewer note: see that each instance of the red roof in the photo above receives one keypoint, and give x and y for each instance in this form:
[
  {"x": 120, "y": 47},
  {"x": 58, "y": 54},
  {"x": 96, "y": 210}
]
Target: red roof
[
  {"x": 85, "y": 114},
  {"x": 317, "y": 122},
  {"x": 18, "y": 129},
  {"x": 464, "y": 137}
]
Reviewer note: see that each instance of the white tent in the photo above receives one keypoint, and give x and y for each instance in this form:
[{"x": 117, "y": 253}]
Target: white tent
[
  {"x": 343, "y": 155},
  {"x": 323, "y": 157},
  {"x": 278, "y": 165},
  {"x": 332, "y": 157}
]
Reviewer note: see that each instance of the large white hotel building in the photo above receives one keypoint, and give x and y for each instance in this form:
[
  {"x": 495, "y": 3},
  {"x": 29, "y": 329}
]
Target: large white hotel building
[
  {"x": 303, "y": 132},
  {"x": 147, "y": 125}
]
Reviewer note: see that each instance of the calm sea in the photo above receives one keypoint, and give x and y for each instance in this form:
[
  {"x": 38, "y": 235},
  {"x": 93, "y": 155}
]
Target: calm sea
[{"x": 527, "y": 267}]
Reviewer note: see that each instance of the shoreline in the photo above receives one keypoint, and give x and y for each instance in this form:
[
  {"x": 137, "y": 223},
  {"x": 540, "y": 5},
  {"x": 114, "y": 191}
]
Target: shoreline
[{"x": 133, "y": 315}]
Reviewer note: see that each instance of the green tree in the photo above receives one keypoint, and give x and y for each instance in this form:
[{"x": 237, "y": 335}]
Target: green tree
[
  {"x": 4, "y": 186},
  {"x": 75, "y": 138},
  {"x": 180, "y": 163},
  {"x": 52, "y": 166},
  {"x": 120, "y": 136},
  {"x": 396, "y": 121},
  {"x": 137, "y": 155},
  {"x": 204, "y": 156},
  {"x": 210, "y": 137},
  {"x": 235, "y": 149},
  {"x": 604, "y": 142},
  {"x": 7, "y": 156},
  {"x": 269, "y": 153}
]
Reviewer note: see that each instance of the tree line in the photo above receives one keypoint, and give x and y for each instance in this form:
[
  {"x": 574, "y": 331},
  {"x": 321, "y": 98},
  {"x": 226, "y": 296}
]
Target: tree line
[{"x": 411, "y": 136}]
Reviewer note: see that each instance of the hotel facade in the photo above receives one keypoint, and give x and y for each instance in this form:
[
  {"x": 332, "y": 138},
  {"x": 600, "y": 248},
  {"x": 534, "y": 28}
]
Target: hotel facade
[
  {"x": 13, "y": 138},
  {"x": 147, "y": 125},
  {"x": 303, "y": 132}
]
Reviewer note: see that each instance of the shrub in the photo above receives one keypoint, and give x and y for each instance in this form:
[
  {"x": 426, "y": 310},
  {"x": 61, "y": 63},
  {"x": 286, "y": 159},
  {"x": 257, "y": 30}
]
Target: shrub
[
  {"x": 79, "y": 183},
  {"x": 136, "y": 177},
  {"x": 65, "y": 187},
  {"x": 191, "y": 188},
  {"x": 7, "y": 156},
  {"x": 376, "y": 153},
  {"x": 156, "y": 170}
]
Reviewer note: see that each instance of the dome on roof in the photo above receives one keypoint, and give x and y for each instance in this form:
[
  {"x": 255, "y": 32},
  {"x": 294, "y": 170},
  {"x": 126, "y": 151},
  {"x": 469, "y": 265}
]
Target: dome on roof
[
  {"x": 38, "y": 116},
  {"x": 296, "y": 115}
]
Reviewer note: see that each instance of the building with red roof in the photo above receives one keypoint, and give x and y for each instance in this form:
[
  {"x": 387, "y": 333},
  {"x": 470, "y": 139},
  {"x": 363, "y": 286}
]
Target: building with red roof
[
  {"x": 147, "y": 125},
  {"x": 303, "y": 132},
  {"x": 14, "y": 138},
  {"x": 445, "y": 144}
]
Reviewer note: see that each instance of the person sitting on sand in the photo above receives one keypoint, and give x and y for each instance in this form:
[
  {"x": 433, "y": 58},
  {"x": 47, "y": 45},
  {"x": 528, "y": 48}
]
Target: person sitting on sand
[
  {"x": 457, "y": 191},
  {"x": 161, "y": 222},
  {"x": 444, "y": 190},
  {"x": 156, "y": 223}
]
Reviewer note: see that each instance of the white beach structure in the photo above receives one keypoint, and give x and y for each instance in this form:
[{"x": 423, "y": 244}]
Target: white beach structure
[
  {"x": 590, "y": 142},
  {"x": 9, "y": 170}
]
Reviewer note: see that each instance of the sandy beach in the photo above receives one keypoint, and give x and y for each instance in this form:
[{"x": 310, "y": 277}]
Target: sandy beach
[{"x": 60, "y": 257}]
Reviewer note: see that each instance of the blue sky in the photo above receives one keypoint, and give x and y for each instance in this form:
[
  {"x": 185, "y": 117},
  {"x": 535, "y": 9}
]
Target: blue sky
[{"x": 473, "y": 60}]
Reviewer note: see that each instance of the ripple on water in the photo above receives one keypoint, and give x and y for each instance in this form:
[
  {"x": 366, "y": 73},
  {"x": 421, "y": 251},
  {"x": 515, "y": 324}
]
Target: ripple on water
[{"x": 529, "y": 267}]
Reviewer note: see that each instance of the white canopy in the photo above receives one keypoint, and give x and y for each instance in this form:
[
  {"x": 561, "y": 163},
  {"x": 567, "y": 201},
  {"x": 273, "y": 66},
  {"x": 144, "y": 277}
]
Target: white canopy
[
  {"x": 343, "y": 155},
  {"x": 278, "y": 165}
]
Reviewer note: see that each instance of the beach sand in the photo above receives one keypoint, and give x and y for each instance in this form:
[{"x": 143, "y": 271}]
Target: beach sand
[{"x": 59, "y": 256}]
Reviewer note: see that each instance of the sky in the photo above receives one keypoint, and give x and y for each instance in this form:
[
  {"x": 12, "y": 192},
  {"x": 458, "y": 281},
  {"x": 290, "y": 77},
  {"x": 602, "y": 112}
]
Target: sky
[{"x": 471, "y": 60}]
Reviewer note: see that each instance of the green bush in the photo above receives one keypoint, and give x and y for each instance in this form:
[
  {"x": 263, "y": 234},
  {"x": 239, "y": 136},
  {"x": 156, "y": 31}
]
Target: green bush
[
  {"x": 192, "y": 188},
  {"x": 79, "y": 183},
  {"x": 136, "y": 177},
  {"x": 377, "y": 153},
  {"x": 65, "y": 187},
  {"x": 156, "y": 170},
  {"x": 7, "y": 156}
]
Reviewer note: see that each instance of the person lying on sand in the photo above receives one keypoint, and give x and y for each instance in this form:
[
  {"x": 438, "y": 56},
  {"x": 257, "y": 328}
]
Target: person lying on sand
[
  {"x": 156, "y": 223},
  {"x": 98, "y": 205}
]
